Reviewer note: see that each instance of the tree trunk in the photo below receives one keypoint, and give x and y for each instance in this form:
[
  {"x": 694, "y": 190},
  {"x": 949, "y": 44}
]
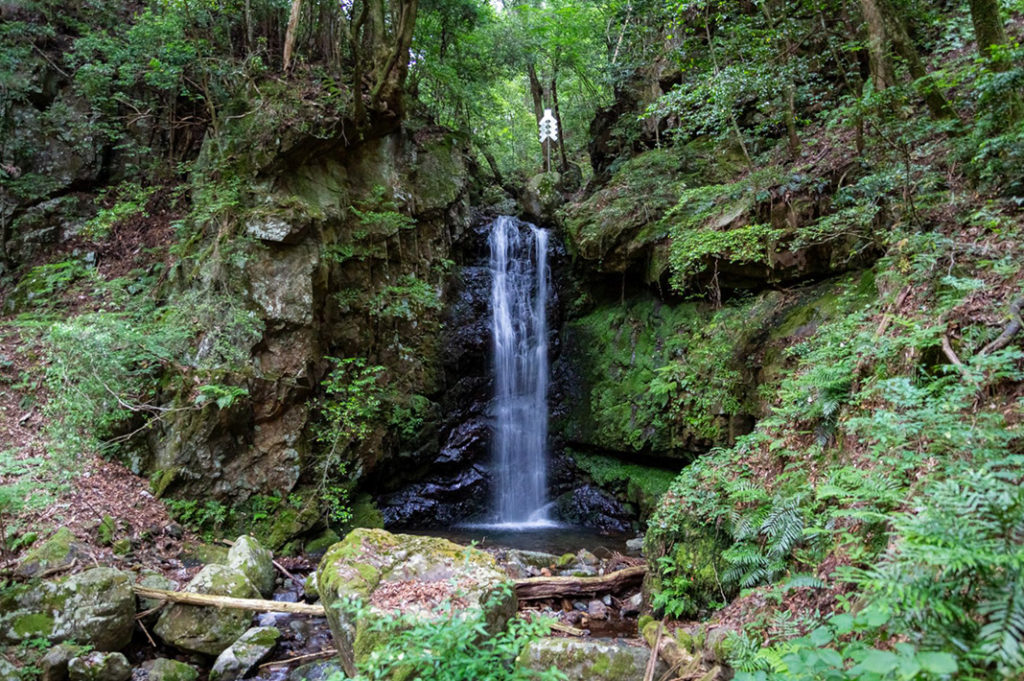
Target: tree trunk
[
  {"x": 878, "y": 57},
  {"x": 254, "y": 604},
  {"x": 896, "y": 29},
  {"x": 988, "y": 30},
  {"x": 289, "y": 36},
  {"x": 536, "y": 91},
  {"x": 561, "y": 131}
]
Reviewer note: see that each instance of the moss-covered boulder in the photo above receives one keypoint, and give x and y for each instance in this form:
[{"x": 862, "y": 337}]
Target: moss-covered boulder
[
  {"x": 154, "y": 580},
  {"x": 54, "y": 664},
  {"x": 239, "y": 660},
  {"x": 606, "y": 660},
  {"x": 95, "y": 607},
  {"x": 208, "y": 630},
  {"x": 99, "y": 666},
  {"x": 256, "y": 562},
  {"x": 57, "y": 551},
  {"x": 163, "y": 669},
  {"x": 370, "y": 566}
]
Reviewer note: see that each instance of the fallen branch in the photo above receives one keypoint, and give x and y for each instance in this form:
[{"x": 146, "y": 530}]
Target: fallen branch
[
  {"x": 330, "y": 652},
  {"x": 254, "y": 604},
  {"x": 566, "y": 629},
  {"x": 1011, "y": 329},
  {"x": 685, "y": 664},
  {"x": 652, "y": 662},
  {"x": 534, "y": 588}
]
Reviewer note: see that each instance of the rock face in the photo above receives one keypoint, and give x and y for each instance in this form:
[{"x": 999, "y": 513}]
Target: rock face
[
  {"x": 243, "y": 655},
  {"x": 589, "y": 659},
  {"x": 95, "y": 607},
  {"x": 208, "y": 630},
  {"x": 370, "y": 564},
  {"x": 347, "y": 257}
]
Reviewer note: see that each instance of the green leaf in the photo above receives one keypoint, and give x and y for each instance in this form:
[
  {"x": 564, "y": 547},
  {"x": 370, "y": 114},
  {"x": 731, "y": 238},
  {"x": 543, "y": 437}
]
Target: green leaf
[
  {"x": 843, "y": 624},
  {"x": 937, "y": 663},
  {"x": 880, "y": 662}
]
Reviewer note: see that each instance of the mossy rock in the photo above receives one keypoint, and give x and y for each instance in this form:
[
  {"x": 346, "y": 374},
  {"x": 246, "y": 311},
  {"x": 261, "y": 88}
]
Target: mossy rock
[
  {"x": 59, "y": 550},
  {"x": 249, "y": 556},
  {"x": 697, "y": 554},
  {"x": 163, "y": 669},
  {"x": 95, "y": 608},
  {"x": 365, "y": 513},
  {"x": 241, "y": 658},
  {"x": 203, "y": 554},
  {"x": 208, "y": 630},
  {"x": 594, "y": 660},
  {"x": 99, "y": 666},
  {"x": 367, "y": 559},
  {"x": 286, "y": 523}
]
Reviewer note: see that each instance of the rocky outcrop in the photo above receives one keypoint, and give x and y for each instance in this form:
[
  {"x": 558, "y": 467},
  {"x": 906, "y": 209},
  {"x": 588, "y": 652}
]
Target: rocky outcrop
[
  {"x": 346, "y": 257},
  {"x": 363, "y": 577}
]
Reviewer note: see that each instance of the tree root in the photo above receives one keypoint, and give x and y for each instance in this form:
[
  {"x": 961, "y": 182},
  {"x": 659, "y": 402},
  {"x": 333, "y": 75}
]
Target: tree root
[{"x": 1011, "y": 329}]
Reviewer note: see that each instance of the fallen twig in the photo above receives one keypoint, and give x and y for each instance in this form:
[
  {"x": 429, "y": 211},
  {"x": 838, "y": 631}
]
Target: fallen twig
[{"x": 311, "y": 656}]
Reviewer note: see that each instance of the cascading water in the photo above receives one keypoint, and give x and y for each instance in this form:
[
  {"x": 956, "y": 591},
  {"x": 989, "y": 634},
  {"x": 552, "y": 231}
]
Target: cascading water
[{"x": 519, "y": 291}]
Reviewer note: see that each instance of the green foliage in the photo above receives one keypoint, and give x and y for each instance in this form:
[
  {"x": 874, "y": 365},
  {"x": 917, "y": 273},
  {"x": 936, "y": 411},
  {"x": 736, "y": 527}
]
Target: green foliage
[
  {"x": 407, "y": 300},
  {"x": 126, "y": 201},
  {"x": 840, "y": 650},
  {"x": 102, "y": 371},
  {"x": 209, "y": 518},
  {"x": 953, "y": 581},
  {"x": 453, "y": 647},
  {"x": 349, "y": 410}
]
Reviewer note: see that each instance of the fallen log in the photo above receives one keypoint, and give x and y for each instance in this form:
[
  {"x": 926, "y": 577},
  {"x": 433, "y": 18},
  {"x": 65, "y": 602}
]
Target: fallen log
[
  {"x": 254, "y": 604},
  {"x": 535, "y": 588}
]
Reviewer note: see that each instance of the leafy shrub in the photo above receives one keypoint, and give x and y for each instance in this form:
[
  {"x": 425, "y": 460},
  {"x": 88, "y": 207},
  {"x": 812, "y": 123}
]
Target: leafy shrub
[{"x": 453, "y": 647}]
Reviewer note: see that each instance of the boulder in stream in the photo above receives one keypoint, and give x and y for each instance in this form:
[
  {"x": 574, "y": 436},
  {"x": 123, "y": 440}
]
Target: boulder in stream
[
  {"x": 239, "y": 660},
  {"x": 249, "y": 556},
  {"x": 378, "y": 572},
  {"x": 163, "y": 669},
  {"x": 202, "y": 629}
]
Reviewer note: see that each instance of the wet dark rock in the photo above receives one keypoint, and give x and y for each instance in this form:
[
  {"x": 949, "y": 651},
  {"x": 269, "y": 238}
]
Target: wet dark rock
[
  {"x": 467, "y": 443},
  {"x": 444, "y": 501},
  {"x": 589, "y": 506}
]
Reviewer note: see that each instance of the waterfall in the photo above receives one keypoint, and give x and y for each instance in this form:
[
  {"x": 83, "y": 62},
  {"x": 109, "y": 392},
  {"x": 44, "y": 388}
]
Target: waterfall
[{"x": 519, "y": 291}]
